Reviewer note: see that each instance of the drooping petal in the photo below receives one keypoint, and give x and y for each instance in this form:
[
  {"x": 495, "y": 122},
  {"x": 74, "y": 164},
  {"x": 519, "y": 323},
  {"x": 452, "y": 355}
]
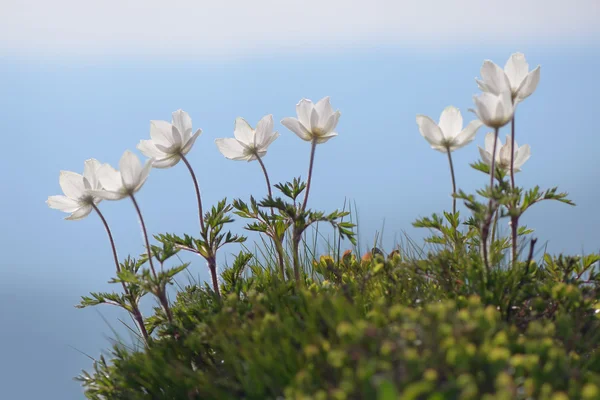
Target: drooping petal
[
  {"x": 188, "y": 145},
  {"x": 264, "y": 129},
  {"x": 243, "y": 131},
  {"x": 430, "y": 130},
  {"x": 529, "y": 84},
  {"x": 148, "y": 149},
  {"x": 523, "y": 154},
  {"x": 161, "y": 133},
  {"x": 297, "y": 127},
  {"x": 143, "y": 175},
  {"x": 109, "y": 178},
  {"x": 71, "y": 184},
  {"x": 183, "y": 123},
  {"x": 231, "y": 149},
  {"x": 516, "y": 70},
  {"x": 494, "y": 77},
  {"x": 324, "y": 110},
  {"x": 323, "y": 138},
  {"x": 89, "y": 172},
  {"x": 332, "y": 122},
  {"x": 166, "y": 162},
  {"x": 304, "y": 110},
  {"x": 131, "y": 169},
  {"x": 467, "y": 135},
  {"x": 62, "y": 203},
  {"x": 80, "y": 213},
  {"x": 451, "y": 122}
]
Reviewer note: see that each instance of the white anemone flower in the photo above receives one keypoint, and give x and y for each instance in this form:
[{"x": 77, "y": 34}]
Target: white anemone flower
[
  {"x": 315, "y": 122},
  {"x": 248, "y": 144},
  {"x": 494, "y": 110},
  {"x": 169, "y": 141},
  {"x": 515, "y": 77},
  {"x": 124, "y": 183},
  {"x": 503, "y": 151},
  {"x": 77, "y": 200},
  {"x": 449, "y": 134}
]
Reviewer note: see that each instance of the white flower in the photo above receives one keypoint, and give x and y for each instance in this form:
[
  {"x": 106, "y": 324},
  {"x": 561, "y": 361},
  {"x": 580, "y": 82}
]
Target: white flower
[
  {"x": 169, "y": 140},
  {"x": 515, "y": 77},
  {"x": 493, "y": 110},
  {"x": 315, "y": 121},
  {"x": 449, "y": 134},
  {"x": 76, "y": 200},
  {"x": 522, "y": 153},
  {"x": 248, "y": 143},
  {"x": 120, "y": 184}
]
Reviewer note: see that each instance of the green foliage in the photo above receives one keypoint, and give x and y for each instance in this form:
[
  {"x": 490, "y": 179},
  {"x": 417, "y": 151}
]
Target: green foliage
[{"x": 374, "y": 328}]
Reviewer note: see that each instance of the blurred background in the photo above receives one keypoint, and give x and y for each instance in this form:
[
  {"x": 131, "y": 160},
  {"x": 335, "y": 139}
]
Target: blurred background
[{"x": 83, "y": 79}]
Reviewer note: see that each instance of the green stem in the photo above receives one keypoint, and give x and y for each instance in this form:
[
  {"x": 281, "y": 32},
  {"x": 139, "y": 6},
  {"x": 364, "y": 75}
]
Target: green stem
[
  {"x": 137, "y": 315},
  {"x": 296, "y": 255},
  {"x": 453, "y": 181},
  {"x": 310, "y": 170},
  {"x": 198, "y": 197},
  {"x": 161, "y": 291}
]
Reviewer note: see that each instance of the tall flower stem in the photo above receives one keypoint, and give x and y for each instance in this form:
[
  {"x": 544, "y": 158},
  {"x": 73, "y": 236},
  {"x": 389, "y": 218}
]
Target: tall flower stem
[
  {"x": 310, "y": 169},
  {"x": 453, "y": 181},
  {"x": 276, "y": 240},
  {"x": 198, "y": 197},
  {"x": 137, "y": 315},
  {"x": 161, "y": 291},
  {"x": 514, "y": 221},
  {"x": 485, "y": 230}
]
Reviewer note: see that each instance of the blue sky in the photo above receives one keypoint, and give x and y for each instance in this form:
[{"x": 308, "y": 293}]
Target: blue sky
[{"x": 63, "y": 104}]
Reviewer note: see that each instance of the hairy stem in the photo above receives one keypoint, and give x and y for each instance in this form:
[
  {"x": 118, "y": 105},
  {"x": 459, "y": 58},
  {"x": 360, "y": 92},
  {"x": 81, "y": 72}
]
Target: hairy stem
[
  {"x": 161, "y": 290},
  {"x": 212, "y": 266},
  {"x": 453, "y": 181},
  {"x": 137, "y": 315},
  {"x": 296, "y": 246},
  {"x": 264, "y": 169},
  {"x": 485, "y": 230},
  {"x": 198, "y": 197},
  {"x": 310, "y": 170},
  {"x": 512, "y": 153}
]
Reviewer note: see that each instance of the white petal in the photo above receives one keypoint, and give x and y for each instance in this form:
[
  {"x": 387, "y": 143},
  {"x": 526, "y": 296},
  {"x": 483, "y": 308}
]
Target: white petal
[
  {"x": 314, "y": 120},
  {"x": 489, "y": 142},
  {"x": 183, "y": 123},
  {"x": 504, "y": 155},
  {"x": 108, "y": 195},
  {"x": 332, "y": 122},
  {"x": 304, "y": 109},
  {"x": 494, "y": 77},
  {"x": 264, "y": 129},
  {"x": 231, "y": 149},
  {"x": 188, "y": 145},
  {"x": 467, "y": 135},
  {"x": 166, "y": 162},
  {"x": 529, "y": 84},
  {"x": 523, "y": 154},
  {"x": 71, "y": 184},
  {"x": 324, "y": 110},
  {"x": 62, "y": 203},
  {"x": 516, "y": 70},
  {"x": 148, "y": 149},
  {"x": 81, "y": 213},
  {"x": 297, "y": 127},
  {"x": 109, "y": 178},
  {"x": 451, "y": 122},
  {"x": 161, "y": 133},
  {"x": 89, "y": 172},
  {"x": 486, "y": 157},
  {"x": 482, "y": 86},
  {"x": 144, "y": 174},
  {"x": 430, "y": 130},
  {"x": 243, "y": 131},
  {"x": 326, "y": 137},
  {"x": 131, "y": 169},
  {"x": 264, "y": 146}
]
